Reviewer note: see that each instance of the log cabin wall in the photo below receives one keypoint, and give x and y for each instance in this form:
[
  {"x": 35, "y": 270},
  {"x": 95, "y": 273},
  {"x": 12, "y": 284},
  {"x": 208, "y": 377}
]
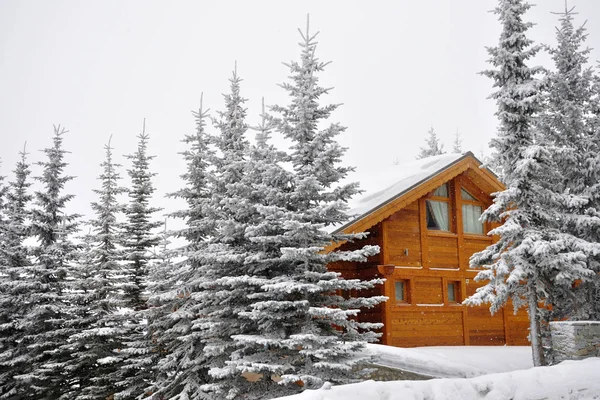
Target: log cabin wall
[{"x": 425, "y": 265}]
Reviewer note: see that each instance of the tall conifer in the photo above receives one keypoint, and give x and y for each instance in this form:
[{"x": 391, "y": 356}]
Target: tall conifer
[
  {"x": 313, "y": 336},
  {"x": 433, "y": 147},
  {"x": 532, "y": 254},
  {"x": 15, "y": 256},
  {"x": 47, "y": 322},
  {"x": 176, "y": 315},
  {"x": 98, "y": 284},
  {"x": 139, "y": 240}
]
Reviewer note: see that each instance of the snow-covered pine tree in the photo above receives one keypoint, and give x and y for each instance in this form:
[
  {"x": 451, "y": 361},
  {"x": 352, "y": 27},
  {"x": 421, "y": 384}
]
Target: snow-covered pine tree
[
  {"x": 531, "y": 253},
  {"x": 138, "y": 243},
  {"x": 17, "y": 215},
  {"x": 433, "y": 147},
  {"x": 98, "y": 286},
  {"x": 226, "y": 288},
  {"x": 6, "y": 307},
  {"x": 175, "y": 314},
  {"x": 3, "y": 217},
  {"x": 457, "y": 144},
  {"x": 313, "y": 336},
  {"x": 15, "y": 257},
  {"x": 47, "y": 311},
  {"x": 139, "y": 238},
  {"x": 567, "y": 126},
  {"x": 3, "y": 220},
  {"x": 268, "y": 189}
]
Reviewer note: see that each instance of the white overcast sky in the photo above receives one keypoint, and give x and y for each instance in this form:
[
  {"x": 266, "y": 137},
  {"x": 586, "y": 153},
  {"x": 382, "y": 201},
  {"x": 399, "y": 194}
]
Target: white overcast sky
[{"x": 100, "y": 67}]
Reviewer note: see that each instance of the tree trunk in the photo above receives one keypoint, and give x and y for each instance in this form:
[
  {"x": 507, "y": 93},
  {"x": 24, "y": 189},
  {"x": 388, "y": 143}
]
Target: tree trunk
[{"x": 534, "y": 326}]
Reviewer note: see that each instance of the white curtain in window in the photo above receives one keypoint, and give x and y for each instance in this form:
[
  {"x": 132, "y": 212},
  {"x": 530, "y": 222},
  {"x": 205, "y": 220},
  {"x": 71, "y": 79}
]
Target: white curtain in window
[
  {"x": 442, "y": 191},
  {"x": 440, "y": 213},
  {"x": 471, "y": 215}
]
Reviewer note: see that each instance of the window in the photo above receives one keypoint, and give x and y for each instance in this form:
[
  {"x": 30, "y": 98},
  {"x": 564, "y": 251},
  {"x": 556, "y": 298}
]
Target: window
[
  {"x": 471, "y": 212},
  {"x": 401, "y": 288},
  {"x": 437, "y": 209},
  {"x": 454, "y": 292}
]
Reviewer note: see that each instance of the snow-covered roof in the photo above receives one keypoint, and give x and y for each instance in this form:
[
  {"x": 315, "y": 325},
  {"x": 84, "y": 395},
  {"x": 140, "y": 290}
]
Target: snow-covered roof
[{"x": 400, "y": 179}]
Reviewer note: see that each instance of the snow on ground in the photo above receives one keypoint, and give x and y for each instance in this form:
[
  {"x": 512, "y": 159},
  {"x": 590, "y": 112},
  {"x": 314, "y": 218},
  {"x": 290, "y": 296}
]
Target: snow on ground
[
  {"x": 453, "y": 361},
  {"x": 567, "y": 380}
]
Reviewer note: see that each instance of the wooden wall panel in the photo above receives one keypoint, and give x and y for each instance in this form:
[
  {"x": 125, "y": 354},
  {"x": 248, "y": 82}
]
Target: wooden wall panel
[
  {"x": 403, "y": 236},
  {"x": 473, "y": 245},
  {"x": 431, "y": 328},
  {"x": 485, "y": 329},
  {"x": 517, "y": 326},
  {"x": 442, "y": 252},
  {"x": 426, "y": 290}
]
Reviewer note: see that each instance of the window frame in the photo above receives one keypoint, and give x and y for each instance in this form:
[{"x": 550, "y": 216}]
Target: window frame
[
  {"x": 449, "y": 204},
  {"x": 456, "y": 292},
  {"x": 406, "y": 292},
  {"x": 477, "y": 202}
]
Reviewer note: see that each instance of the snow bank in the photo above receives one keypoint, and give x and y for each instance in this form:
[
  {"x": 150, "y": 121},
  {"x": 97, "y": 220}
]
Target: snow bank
[
  {"x": 567, "y": 380},
  {"x": 453, "y": 361}
]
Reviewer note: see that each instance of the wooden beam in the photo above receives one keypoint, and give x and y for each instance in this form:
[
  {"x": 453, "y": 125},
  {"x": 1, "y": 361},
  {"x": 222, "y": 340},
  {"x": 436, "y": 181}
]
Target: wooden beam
[{"x": 423, "y": 232}]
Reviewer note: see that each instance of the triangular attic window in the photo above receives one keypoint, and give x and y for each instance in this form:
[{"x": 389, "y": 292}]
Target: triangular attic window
[
  {"x": 466, "y": 195},
  {"x": 442, "y": 191}
]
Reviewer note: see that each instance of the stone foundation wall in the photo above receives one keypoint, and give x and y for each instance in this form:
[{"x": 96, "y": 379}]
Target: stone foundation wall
[
  {"x": 575, "y": 340},
  {"x": 382, "y": 373}
]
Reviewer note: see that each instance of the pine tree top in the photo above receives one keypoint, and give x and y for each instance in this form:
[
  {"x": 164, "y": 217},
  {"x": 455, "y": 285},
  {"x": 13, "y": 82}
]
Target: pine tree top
[{"x": 433, "y": 146}]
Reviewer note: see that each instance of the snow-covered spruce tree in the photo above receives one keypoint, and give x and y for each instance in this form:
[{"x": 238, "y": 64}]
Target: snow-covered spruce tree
[
  {"x": 312, "y": 336},
  {"x": 138, "y": 243},
  {"x": 531, "y": 252},
  {"x": 567, "y": 126},
  {"x": 175, "y": 313},
  {"x": 3, "y": 217},
  {"x": 98, "y": 284},
  {"x": 14, "y": 252},
  {"x": 3, "y": 220},
  {"x": 268, "y": 187},
  {"x": 7, "y": 311},
  {"x": 225, "y": 291},
  {"x": 15, "y": 257},
  {"x": 139, "y": 238},
  {"x": 433, "y": 147},
  {"x": 47, "y": 317},
  {"x": 457, "y": 144}
]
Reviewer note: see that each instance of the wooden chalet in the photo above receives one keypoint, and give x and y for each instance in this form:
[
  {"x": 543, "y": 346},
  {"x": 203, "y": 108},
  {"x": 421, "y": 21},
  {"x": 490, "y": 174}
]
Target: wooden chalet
[{"x": 426, "y": 224}]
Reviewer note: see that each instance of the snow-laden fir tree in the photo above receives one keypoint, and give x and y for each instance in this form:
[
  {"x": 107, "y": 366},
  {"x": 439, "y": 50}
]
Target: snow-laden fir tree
[
  {"x": 15, "y": 257},
  {"x": 269, "y": 188},
  {"x": 14, "y": 252},
  {"x": 138, "y": 245},
  {"x": 98, "y": 284},
  {"x": 532, "y": 254},
  {"x": 457, "y": 144},
  {"x": 226, "y": 271},
  {"x": 47, "y": 320},
  {"x": 567, "y": 125},
  {"x": 312, "y": 336},
  {"x": 7, "y": 310},
  {"x": 3, "y": 219},
  {"x": 175, "y": 315},
  {"x": 139, "y": 238},
  {"x": 433, "y": 146}
]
